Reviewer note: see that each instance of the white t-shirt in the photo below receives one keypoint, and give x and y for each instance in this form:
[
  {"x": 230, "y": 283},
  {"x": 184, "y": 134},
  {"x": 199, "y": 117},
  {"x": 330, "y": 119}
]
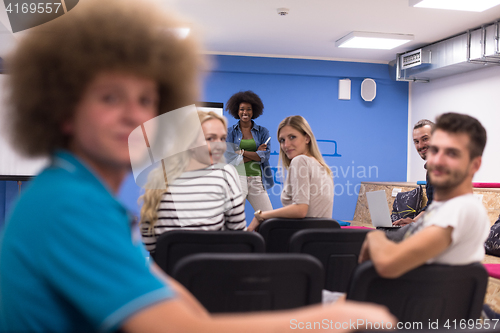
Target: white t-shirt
[{"x": 469, "y": 220}]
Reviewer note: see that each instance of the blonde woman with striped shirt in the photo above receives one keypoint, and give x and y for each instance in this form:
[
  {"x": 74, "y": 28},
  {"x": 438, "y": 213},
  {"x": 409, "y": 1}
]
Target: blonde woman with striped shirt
[{"x": 205, "y": 196}]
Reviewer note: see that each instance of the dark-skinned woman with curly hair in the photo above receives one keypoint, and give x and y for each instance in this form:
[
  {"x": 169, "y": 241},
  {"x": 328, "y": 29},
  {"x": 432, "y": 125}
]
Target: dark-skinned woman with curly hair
[{"x": 251, "y": 142}]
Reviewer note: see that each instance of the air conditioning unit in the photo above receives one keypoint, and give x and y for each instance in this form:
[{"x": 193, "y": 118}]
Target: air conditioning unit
[
  {"x": 465, "y": 52},
  {"x": 415, "y": 58}
]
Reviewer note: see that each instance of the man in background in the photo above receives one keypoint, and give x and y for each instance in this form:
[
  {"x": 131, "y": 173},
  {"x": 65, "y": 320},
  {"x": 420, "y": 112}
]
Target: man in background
[{"x": 421, "y": 138}]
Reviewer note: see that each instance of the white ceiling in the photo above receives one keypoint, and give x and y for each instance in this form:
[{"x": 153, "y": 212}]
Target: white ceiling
[{"x": 253, "y": 27}]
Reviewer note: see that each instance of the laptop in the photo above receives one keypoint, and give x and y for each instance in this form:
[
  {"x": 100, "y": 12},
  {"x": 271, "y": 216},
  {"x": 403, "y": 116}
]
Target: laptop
[{"x": 379, "y": 211}]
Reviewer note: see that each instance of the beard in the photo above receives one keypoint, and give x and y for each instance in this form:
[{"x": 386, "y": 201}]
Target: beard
[
  {"x": 423, "y": 155},
  {"x": 454, "y": 179}
]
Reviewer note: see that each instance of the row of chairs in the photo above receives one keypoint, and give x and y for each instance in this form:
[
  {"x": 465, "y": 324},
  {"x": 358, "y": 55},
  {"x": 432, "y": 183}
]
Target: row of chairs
[
  {"x": 277, "y": 232},
  {"x": 261, "y": 282},
  {"x": 336, "y": 249},
  {"x": 275, "y": 235},
  {"x": 244, "y": 278},
  {"x": 228, "y": 282}
]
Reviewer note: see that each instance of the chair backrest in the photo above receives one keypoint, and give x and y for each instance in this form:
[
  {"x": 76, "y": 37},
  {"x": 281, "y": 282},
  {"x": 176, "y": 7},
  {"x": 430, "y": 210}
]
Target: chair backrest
[
  {"x": 174, "y": 245},
  {"x": 337, "y": 249},
  {"x": 430, "y": 292},
  {"x": 278, "y": 231},
  {"x": 251, "y": 282}
]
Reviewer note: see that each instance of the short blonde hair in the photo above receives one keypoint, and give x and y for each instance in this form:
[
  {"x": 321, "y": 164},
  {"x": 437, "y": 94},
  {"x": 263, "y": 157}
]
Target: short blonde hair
[
  {"x": 300, "y": 124},
  {"x": 56, "y": 61}
]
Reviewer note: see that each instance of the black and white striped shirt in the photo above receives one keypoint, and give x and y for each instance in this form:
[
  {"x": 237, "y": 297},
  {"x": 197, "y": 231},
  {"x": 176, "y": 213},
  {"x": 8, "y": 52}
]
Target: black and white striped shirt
[{"x": 205, "y": 199}]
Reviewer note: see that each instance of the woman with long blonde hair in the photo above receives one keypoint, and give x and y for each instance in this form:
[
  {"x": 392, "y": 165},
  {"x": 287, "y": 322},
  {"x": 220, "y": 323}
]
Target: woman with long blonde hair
[
  {"x": 308, "y": 188},
  {"x": 205, "y": 195}
]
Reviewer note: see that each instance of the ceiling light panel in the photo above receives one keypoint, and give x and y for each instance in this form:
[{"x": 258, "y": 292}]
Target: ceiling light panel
[
  {"x": 372, "y": 40},
  {"x": 465, "y": 5}
]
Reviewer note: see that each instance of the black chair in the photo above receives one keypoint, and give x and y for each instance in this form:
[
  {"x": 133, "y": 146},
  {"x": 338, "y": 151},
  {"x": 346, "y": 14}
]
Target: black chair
[
  {"x": 174, "y": 245},
  {"x": 337, "y": 249},
  {"x": 251, "y": 282},
  {"x": 278, "y": 231},
  {"x": 430, "y": 292}
]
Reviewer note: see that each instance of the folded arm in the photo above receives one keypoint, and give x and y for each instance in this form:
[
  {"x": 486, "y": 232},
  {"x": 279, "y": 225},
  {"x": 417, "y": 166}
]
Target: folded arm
[
  {"x": 261, "y": 155},
  {"x": 250, "y": 156}
]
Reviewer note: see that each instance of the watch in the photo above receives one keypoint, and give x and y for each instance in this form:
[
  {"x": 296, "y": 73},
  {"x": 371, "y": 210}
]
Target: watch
[{"x": 258, "y": 215}]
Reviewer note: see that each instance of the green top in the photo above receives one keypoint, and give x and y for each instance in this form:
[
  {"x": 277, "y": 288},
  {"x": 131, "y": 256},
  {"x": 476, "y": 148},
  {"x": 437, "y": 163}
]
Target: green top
[{"x": 251, "y": 168}]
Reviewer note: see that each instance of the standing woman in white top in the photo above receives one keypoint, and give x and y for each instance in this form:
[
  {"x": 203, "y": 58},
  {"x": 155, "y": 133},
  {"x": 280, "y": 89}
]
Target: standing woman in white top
[
  {"x": 308, "y": 188},
  {"x": 205, "y": 196}
]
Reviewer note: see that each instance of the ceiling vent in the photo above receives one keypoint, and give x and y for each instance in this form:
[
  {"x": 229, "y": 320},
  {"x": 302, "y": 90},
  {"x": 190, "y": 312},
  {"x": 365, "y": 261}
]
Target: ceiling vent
[
  {"x": 469, "y": 51},
  {"x": 415, "y": 58}
]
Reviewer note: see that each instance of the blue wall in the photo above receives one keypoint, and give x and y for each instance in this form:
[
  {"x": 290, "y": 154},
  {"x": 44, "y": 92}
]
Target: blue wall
[{"x": 371, "y": 137}]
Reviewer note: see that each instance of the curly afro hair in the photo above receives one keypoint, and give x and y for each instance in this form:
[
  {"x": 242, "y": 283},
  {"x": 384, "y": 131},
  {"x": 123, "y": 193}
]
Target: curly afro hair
[
  {"x": 56, "y": 61},
  {"x": 233, "y": 104}
]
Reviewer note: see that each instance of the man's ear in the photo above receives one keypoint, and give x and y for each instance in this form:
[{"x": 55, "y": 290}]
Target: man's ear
[{"x": 476, "y": 163}]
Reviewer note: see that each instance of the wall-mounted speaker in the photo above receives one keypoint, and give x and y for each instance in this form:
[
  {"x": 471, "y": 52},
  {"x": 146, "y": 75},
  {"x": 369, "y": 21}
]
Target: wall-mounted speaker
[
  {"x": 345, "y": 89},
  {"x": 368, "y": 90}
]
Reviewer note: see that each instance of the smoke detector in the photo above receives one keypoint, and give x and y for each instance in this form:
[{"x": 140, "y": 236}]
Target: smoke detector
[{"x": 283, "y": 11}]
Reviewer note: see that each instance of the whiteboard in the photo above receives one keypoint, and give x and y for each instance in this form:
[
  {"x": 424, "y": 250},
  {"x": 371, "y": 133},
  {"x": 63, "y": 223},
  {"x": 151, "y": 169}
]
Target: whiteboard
[{"x": 216, "y": 107}]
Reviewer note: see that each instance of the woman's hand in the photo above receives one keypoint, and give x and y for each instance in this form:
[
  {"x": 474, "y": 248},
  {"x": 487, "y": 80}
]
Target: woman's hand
[
  {"x": 262, "y": 147},
  {"x": 254, "y": 225}
]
